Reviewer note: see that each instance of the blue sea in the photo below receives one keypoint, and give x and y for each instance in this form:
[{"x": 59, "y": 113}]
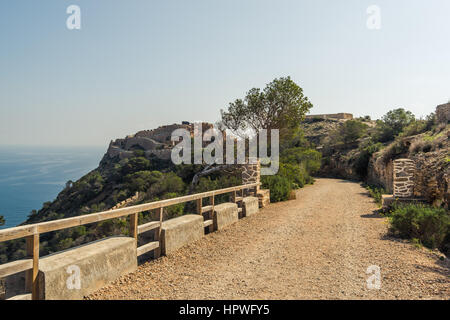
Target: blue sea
[{"x": 30, "y": 176}]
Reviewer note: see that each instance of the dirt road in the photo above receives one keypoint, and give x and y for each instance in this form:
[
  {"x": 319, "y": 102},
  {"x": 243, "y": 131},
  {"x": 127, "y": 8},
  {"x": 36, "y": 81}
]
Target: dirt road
[{"x": 316, "y": 247}]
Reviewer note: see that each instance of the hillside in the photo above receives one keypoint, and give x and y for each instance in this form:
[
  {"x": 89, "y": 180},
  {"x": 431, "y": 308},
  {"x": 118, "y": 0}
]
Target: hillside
[
  {"x": 134, "y": 170},
  {"x": 367, "y": 155}
]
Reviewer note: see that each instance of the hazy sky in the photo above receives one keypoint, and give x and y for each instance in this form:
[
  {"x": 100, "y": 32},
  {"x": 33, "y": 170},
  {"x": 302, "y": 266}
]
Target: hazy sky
[{"x": 139, "y": 64}]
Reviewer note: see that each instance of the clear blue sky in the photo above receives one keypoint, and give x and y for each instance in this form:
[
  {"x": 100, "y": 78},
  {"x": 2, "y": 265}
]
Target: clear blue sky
[{"x": 139, "y": 64}]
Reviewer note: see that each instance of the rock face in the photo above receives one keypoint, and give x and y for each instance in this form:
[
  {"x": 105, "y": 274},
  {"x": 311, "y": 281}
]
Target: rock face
[
  {"x": 443, "y": 113},
  {"x": 431, "y": 178},
  {"x": 381, "y": 173}
]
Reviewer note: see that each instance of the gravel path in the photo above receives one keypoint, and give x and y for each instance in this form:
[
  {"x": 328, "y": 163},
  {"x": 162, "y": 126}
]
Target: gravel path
[{"x": 316, "y": 247}]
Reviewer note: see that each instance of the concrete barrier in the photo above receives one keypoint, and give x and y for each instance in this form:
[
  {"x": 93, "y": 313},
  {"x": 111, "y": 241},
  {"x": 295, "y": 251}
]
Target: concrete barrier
[
  {"x": 180, "y": 231},
  {"x": 250, "y": 205},
  {"x": 225, "y": 214},
  {"x": 74, "y": 273}
]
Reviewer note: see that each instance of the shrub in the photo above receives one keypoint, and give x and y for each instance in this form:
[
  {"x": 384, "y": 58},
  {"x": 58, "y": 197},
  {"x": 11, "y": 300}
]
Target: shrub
[
  {"x": 392, "y": 124},
  {"x": 376, "y": 193},
  {"x": 142, "y": 180},
  {"x": 414, "y": 128},
  {"x": 352, "y": 130},
  {"x": 175, "y": 210},
  {"x": 431, "y": 226},
  {"x": 296, "y": 174},
  {"x": 398, "y": 119},
  {"x": 394, "y": 150},
  {"x": 280, "y": 187}
]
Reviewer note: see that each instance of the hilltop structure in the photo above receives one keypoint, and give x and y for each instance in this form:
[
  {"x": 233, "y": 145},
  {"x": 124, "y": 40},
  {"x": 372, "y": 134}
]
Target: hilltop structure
[{"x": 154, "y": 142}]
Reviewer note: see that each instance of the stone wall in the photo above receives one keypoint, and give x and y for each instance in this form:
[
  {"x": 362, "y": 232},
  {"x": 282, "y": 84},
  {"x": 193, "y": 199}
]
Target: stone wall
[
  {"x": 126, "y": 202},
  {"x": 404, "y": 178},
  {"x": 251, "y": 172}
]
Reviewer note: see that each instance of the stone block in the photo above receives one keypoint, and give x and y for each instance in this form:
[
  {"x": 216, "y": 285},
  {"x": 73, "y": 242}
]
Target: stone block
[
  {"x": 225, "y": 214},
  {"x": 250, "y": 205},
  {"x": 180, "y": 231},
  {"x": 94, "y": 265},
  {"x": 293, "y": 195},
  {"x": 263, "y": 197}
]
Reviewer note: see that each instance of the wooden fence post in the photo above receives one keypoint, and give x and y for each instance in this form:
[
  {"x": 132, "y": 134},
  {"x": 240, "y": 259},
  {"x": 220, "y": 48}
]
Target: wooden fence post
[
  {"x": 211, "y": 213},
  {"x": 31, "y": 275},
  {"x": 199, "y": 206},
  {"x": 233, "y": 196},
  {"x": 157, "y": 251},
  {"x": 134, "y": 225}
]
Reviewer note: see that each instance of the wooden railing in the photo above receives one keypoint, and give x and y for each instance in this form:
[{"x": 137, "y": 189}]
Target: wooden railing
[{"x": 32, "y": 231}]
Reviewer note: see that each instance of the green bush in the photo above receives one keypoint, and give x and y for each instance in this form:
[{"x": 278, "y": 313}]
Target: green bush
[
  {"x": 352, "y": 130},
  {"x": 393, "y": 123},
  {"x": 376, "y": 193},
  {"x": 414, "y": 128},
  {"x": 431, "y": 226},
  {"x": 175, "y": 210},
  {"x": 280, "y": 187}
]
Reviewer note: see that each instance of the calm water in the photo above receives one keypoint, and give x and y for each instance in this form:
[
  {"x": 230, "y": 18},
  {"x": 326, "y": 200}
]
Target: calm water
[{"x": 30, "y": 176}]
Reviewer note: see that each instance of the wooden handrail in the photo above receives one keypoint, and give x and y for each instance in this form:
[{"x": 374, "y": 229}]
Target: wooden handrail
[
  {"x": 32, "y": 231},
  {"x": 43, "y": 227}
]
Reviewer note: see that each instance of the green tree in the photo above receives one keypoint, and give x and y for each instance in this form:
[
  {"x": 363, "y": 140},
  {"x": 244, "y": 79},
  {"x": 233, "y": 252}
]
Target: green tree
[
  {"x": 393, "y": 123},
  {"x": 281, "y": 104},
  {"x": 2, "y": 221},
  {"x": 352, "y": 130}
]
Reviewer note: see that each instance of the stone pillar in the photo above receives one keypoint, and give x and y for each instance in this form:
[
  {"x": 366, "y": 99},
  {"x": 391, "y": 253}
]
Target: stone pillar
[
  {"x": 251, "y": 172},
  {"x": 404, "y": 178}
]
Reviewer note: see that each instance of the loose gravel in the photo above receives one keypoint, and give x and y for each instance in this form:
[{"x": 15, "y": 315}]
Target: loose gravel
[{"x": 318, "y": 246}]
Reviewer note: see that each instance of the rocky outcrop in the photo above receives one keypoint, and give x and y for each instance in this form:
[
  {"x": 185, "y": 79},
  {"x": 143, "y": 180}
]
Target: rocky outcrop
[
  {"x": 443, "y": 113},
  {"x": 381, "y": 173},
  {"x": 431, "y": 178}
]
